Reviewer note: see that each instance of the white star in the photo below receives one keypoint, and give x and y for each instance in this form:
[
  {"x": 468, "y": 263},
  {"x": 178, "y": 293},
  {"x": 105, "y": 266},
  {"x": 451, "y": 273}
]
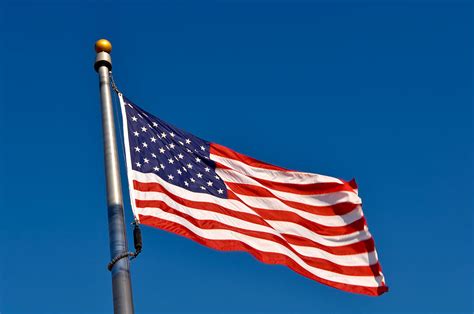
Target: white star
[
  {"x": 203, "y": 148},
  {"x": 188, "y": 141},
  {"x": 162, "y": 150},
  {"x": 153, "y": 139},
  {"x": 156, "y": 168},
  {"x": 203, "y": 187},
  {"x": 199, "y": 175},
  {"x": 220, "y": 191},
  {"x": 134, "y": 118},
  {"x": 209, "y": 183},
  {"x": 136, "y": 133},
  {"x": 145, "y": 160},
  {"x": 138, "y": 164},
  {"x": 186, "y": 183},
  {"x": 163, "y": 135},
  {"x": 144, "y": 129},
  {"x": 170, "y": 176},
  {"x": 207, "y": 169},
  {"x": 179, "y": 172},
  {"x": 192, "y": 180},
  {"x": 217, "y": 177},
  {"x": 188, "y": 150},
  {"x": 180, "y": 156},
  {"x": 162, "y": 166},
  {"x": 155, "y": 124},
  {"x": 190, "y": 166},
  {"x": 153, "y": 155},
  {"x": 184, "y": 169},
  {"x": 172, "y": 134},
  {"x": 137, "y": 149},
  {"x": 171, "y": 161},
  {"x": 145, "y": 144},
  {"x": 172, "y": 145},
  {"x": 198, "y": 159},
  {"x": 181, "y": 143}
]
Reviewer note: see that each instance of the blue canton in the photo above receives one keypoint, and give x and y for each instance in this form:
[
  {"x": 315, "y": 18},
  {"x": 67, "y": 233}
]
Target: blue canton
[{"x": 176, "y": 156}]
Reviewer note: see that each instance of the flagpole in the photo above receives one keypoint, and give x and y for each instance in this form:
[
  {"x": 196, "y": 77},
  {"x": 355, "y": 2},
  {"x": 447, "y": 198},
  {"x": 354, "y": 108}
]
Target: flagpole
[{"x": 121, "y": 286}]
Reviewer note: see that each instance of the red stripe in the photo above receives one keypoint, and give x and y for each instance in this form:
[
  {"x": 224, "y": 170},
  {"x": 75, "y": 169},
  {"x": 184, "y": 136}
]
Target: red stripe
[
  {"x": 353, "y": 184},
  {"x": 265, "y": 257},
  {"x": 333, "y": 210},
  {"x": 353, "y": 248},
  {"x": 336, "y": 209},
  {"x": 225, "y": 152},
  {"x": 263, "y": 214},
  {"x": 304, "y": 189}
]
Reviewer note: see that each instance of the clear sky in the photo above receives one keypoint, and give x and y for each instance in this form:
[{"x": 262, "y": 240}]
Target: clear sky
[{"x": 379, "y": 91}]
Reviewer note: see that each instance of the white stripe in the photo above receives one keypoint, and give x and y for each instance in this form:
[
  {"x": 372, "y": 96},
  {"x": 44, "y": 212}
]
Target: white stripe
[
  {"x": 326, "y": 199},
  {"x": 270, "y": 203},
  {"x": 282, "y": 227},
  {"x": 292, "y": 228},
  {"x": 293, "y": 177},
  {"x": 271, "y": 247},
  {"x": 362, "y": 259}
]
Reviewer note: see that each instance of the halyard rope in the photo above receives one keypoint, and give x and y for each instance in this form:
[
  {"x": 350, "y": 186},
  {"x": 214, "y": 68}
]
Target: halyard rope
[{"x": 137, "y": 236}]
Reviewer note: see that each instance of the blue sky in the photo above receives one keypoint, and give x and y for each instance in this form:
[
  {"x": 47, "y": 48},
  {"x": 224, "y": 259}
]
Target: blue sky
[{"x": 379, "y": 91}]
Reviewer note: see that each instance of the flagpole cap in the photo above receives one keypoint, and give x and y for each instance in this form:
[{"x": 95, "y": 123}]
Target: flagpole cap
[{"x": 103, "y": 45}]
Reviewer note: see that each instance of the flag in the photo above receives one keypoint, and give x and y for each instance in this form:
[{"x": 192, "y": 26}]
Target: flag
[{"x": 228, "y": 201}]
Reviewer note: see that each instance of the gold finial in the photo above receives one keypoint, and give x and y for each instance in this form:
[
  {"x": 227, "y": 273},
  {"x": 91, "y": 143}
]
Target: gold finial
[{"x": 103, "y": 45}]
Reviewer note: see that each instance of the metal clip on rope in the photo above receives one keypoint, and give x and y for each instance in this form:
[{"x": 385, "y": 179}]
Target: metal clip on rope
[
  {"x": 137, "y": 242},
  {"x": 112, "y": 83}
]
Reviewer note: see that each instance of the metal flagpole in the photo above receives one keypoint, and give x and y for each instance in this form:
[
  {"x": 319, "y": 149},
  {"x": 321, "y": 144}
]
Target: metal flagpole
[{"x": 121, "y": 287}]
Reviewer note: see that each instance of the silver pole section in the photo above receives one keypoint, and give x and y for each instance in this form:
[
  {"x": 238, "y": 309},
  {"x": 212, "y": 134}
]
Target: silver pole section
[{"x": 121, "y": 286}]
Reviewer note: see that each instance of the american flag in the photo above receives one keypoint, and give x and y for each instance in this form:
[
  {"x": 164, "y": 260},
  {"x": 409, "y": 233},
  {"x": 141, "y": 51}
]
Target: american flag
[{"x": 225, "y": 200}]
